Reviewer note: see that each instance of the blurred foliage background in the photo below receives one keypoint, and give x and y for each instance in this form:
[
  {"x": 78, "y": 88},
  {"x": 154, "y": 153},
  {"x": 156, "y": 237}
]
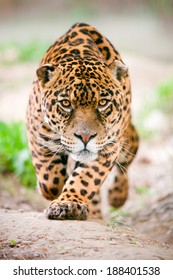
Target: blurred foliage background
[
  {"x": 141, "y": 26},
  {"x": 136, "y": 27}
]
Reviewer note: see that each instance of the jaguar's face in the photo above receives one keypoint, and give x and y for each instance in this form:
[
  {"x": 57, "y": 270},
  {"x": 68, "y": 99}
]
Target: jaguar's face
[
  {"x": 83, "y": 106},
  {"x": 85, "y": 135}
]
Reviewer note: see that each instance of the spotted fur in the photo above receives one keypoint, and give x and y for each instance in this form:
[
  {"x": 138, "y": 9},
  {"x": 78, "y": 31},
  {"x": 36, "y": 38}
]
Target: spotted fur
[{"x": 79, "y": 108}]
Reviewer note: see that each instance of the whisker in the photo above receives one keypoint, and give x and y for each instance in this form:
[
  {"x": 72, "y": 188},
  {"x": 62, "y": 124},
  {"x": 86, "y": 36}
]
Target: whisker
[
  {"x": 54, "y": 155},
  {"x": 124, "y": 156},
  {"x": 40, "y": 124},
  {"x": 123, "y": 169},
  {"x": 126, "y": 143},
  {"x": 51, "y": 159},
  {"x": 127, "y": 151}
]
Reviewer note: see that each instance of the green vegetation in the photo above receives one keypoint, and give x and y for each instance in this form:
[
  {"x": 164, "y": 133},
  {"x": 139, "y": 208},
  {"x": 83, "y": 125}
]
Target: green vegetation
[
  {"x": 119, "y": 212},
  {"x": 162, "y": 97},
  {"x": 142, "y": 190},
  {"x": 117, "y": 221},
  {"x": 157, "y": 103},
  {"x": 14, "y": 153},
  {"x": 164, "y": 6},
  {"x": 12, "y": 243},
  {"x": 17, "y": 52}
]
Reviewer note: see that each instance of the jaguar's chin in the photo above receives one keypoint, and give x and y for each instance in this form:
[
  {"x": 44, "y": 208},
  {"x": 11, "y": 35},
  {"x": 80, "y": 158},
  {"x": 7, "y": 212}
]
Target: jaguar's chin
[{"x": 84, "y": 156}]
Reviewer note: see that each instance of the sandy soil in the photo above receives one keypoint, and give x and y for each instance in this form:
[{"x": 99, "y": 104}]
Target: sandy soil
[{"x": 73, "y": 239}]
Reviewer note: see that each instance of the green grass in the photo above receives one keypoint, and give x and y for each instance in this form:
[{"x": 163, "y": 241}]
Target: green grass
[
  {"x": 14, "y": 153},
  {"x": 158, "y": 100},
  {"x": 162, "y": 97},
  {"x": 12, "y": 243},
  {"x": 117, "y": 221},
  {"x": 142, "y": 190},
  {"x": 17, "y": 52}
]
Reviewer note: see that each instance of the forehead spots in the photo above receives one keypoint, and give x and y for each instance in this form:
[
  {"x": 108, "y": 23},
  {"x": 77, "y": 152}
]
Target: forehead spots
[
  {"x": 83, "y": 80},
  {"x": 84, "y": 31},
  {"x": 74, "y": 34},
  {"x": 75, "y": 51},
  {"x": 84, "y": 95},
  {"x": 76, "y": 42}
]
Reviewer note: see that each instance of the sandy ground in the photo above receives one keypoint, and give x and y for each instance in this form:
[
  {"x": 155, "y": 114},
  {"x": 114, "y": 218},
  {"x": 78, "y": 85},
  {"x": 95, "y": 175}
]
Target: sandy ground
[
  {"x": 142, "y": 229},
  {"x": 73, "y": 239}
]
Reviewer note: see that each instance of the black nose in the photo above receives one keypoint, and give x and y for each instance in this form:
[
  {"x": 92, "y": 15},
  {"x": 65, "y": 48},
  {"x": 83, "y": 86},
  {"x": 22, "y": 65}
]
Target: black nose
[{"x": 85, "y": 137}]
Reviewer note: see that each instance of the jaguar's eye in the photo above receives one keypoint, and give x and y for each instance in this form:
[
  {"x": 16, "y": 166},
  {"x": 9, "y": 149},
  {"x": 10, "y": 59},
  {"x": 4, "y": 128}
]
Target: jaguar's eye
[
  {"x": 103, "y": 103},
  {"x": 65, "y": 103}
]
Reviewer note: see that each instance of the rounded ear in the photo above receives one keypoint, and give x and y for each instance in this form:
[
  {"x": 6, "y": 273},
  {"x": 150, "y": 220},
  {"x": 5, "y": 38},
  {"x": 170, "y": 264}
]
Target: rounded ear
[
  {"x": 119, "y": 70},
  {"x": 45, "y": 73}
]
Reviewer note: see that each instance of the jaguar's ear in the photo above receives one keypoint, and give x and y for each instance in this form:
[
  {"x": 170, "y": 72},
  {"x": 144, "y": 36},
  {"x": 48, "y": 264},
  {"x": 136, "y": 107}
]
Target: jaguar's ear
[
  {"x": 45, "y": 73},
  {"x": 119, "y": 69}
]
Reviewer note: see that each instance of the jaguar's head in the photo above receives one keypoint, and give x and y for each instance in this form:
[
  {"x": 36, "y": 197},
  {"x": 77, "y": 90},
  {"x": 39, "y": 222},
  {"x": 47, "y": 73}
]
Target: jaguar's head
[{"x": 83, "y": 102}]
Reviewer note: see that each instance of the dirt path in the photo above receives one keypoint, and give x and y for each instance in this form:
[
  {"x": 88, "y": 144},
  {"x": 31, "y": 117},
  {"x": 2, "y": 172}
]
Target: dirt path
[{"x": 73, "y": 239}]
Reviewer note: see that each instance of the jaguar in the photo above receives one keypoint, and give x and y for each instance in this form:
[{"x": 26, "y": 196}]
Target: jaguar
[{"x": 79, "y": 114}]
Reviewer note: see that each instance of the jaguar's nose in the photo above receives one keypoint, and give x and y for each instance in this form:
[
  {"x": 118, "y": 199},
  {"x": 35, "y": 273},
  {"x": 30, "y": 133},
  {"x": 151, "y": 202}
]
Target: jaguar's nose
[{"x": 85, "y": 137}]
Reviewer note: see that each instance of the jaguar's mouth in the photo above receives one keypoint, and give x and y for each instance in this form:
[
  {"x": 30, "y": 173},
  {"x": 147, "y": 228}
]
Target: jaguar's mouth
[{"x": 84, "y": 155}]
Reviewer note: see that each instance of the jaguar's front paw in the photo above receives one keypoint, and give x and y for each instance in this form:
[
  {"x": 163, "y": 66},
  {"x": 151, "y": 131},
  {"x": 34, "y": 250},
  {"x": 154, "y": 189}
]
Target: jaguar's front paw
[{"x": 67, "y": 211}]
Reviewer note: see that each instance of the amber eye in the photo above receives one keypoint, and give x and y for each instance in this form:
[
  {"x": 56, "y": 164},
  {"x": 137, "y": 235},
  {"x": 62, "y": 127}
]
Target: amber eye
[
  {"x": 65, "y": 103},
  {"x": 103, "y": 103}
]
